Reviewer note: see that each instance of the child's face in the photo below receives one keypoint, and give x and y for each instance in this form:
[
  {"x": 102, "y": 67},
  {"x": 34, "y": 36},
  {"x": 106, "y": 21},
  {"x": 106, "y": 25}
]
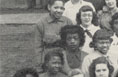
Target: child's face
[
  {"x": 86, "y": 17},
  {"x": 72, "y": 41},
  {"x": 57, "y": 9},
  {"x": 103, "y": 45},
  {"x": 110, "y": 3},
  {"x": 54, "y": 65},
  {"x": 101, "y": 70}
]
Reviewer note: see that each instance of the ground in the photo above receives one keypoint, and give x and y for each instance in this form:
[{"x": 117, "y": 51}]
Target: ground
[{"x": 17, "y": 40}]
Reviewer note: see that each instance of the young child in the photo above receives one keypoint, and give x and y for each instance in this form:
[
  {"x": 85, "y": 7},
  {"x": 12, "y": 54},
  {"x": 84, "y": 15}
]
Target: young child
[
  {"x": 48, "y": 27},
  {"x": 53, "y": 63},
  {"x": 72, "y": 37},
  {"x": 101, "y": 42}
]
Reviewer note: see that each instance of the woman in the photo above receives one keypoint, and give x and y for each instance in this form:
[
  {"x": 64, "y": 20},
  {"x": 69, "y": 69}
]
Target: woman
[
  {"x": 101, "y": 67},
  {"x": 105, "y": 15},
  {"x": 87, "y": 19}
]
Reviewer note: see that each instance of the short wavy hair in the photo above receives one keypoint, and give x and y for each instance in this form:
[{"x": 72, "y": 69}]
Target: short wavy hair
[
  {"x": 23, "y": 72},
  {"x": 85, "y": 9},
  {"x": 100, "y": 60},
  {"x": 72, "y": 29}
]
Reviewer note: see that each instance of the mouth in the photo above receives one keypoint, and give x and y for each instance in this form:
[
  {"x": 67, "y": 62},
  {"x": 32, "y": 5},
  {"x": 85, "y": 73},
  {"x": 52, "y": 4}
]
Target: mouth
[{"x": 56, "y": 69}]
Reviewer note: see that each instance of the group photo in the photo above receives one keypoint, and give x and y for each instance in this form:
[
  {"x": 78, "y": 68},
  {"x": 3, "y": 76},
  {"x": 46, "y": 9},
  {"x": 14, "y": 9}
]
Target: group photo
[{"x": 58, "y": 38}]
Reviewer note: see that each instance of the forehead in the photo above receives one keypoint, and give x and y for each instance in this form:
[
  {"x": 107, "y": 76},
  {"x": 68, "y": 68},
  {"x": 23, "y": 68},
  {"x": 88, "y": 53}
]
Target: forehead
[
  {"x": 103, "y": 40},
  {"x": 86, "y": 12},
  {"x": 72, "y": 35},
  {"x": 58, "y": 3},
  {"x": 55, "y": 58},
  {"x": 101, "y": 66}
]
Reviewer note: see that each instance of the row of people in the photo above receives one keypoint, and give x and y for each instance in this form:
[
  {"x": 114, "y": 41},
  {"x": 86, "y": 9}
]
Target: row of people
[
  {"x": 84, "y": 47},
  {"x": 48, "y": 33},
  {"x": 54, "y": 63}
]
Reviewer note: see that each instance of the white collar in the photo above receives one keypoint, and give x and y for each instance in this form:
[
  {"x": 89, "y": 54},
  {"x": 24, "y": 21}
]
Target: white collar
[{"x": 89, "y": 28}]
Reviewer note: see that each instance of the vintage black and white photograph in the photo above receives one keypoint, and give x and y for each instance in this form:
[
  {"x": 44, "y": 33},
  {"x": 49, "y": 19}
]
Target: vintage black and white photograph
[{"x": 58, "y": 38}]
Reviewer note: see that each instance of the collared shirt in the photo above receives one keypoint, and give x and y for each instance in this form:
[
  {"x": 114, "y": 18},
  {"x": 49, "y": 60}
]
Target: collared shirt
[
  {"x": 92, "y": 29},
  {"x": 72, "y": 9},
  {"x": 73, "y": 60},
  {"x": 47, "y": 30},
  {"x": 89, "y": 58}
]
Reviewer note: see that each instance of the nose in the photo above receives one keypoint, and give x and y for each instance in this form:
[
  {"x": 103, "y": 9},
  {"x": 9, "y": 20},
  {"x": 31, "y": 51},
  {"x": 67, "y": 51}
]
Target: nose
[
  {"x": 105, "y": 45},
  {"x": 101, "y": 73},
  {"x": 72, "y": 41},
  {"x": 57, "y": 65}
]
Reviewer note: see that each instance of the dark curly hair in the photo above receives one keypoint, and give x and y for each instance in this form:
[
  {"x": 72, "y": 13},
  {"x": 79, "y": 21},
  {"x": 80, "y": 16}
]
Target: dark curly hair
[
  {"x": 50, "y": 54},
  {"x": 25, "y": 71},
  {"x": 84, "y": 9},
  {"x": 100, "y": 60},
  {"x": 72, "y": 29}
]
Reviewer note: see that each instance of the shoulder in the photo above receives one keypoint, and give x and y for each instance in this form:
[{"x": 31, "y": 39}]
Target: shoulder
[
  {"x": 43, "y": 17},
  {"x": 89, "y": 56},
  {"x": 67, "y": 4},
  {"x": 84, "y": 53},
  {"x": 67, "y": 20}
]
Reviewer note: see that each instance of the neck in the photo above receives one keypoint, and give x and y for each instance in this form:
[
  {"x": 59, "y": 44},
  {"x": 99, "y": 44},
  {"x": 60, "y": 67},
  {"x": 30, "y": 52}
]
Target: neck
[
  {"x": 72, "y": 50},
  {"x": 86, "y": 26}
]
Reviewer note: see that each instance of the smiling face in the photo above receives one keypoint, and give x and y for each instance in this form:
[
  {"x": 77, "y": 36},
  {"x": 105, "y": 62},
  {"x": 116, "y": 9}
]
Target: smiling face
[
  {"x": 56, "y": 9},
  {"x": 86, "y": 17},
  {"x": 54, "y": 65},
  {"x": 101, "y": 70},
  {"x": 103, "y": 45},
  {"x": 110, "y": 3},
  {"x": 72, "y": 41}
]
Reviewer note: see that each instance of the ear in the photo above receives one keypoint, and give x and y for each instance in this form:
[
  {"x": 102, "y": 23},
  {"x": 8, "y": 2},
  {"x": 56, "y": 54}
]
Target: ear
[{"x": 49, "y": 6}]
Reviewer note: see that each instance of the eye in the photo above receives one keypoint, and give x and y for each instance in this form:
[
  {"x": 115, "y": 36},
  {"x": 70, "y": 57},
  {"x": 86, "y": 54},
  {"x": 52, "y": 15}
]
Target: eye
[
  {"x": 104, "y": 69},
  {"x": 98, "y": 70},
  {"x": 62, "y": 8},
  {"x": 56, "y": 7}
]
